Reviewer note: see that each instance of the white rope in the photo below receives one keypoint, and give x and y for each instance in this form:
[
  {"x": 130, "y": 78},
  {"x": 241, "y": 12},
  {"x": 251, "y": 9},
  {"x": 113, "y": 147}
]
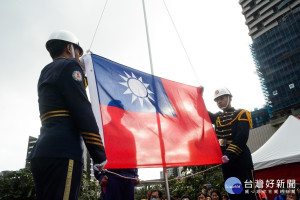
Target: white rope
[
  {"x": 195, "y": 173},
  {"x": 105, "y": 170},
  {"x": 177, "y": 178},
  {"x": 89, "y": 50},
  {"x": 182, "y": 44}
]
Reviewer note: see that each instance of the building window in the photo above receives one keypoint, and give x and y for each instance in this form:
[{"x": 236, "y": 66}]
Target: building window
[
  {"x": 291, "y": 86},
  {"x": 275, "y": 92}
]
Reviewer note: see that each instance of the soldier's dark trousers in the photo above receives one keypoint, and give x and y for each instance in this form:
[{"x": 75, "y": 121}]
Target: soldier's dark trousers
[
  {"x": 56, "y": 178},
  {"x": 118, "y": 188},
  {"x": 244, "y": 175}
]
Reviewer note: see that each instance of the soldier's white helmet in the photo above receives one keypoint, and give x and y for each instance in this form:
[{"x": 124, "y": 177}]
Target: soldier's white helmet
[
  {"x": 65, "y": 36},
  {"x": 222, "y": 91}
]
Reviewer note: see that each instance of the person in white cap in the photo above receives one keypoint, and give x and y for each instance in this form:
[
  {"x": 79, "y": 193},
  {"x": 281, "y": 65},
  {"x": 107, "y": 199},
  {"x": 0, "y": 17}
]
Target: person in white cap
[
  {"x": 232, "y": 128},
  {"x": 67, "y": 120}
]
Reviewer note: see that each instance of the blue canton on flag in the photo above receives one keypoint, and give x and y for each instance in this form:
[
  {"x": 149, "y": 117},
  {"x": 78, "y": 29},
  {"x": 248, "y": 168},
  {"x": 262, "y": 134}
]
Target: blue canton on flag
[{"x": 138, "y": 91}]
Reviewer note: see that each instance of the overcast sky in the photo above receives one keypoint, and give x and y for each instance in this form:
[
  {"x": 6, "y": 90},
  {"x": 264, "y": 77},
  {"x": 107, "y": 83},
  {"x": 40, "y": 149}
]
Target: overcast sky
[{"x": 213, "y": 32}]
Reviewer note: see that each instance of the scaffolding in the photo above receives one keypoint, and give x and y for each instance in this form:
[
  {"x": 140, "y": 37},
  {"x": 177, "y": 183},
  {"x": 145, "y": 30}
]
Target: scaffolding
[{"x": 276, "y": 55}]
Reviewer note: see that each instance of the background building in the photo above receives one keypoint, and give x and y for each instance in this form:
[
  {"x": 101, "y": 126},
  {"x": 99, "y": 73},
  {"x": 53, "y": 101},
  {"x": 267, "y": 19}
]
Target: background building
[
  {"x": 172, "y": 171},
  {"x": 260, "y": 117},
  {"x": 274, "y": 26},
  {"x": 31, "y": 143},
  {"x": 259, "y": 136}
]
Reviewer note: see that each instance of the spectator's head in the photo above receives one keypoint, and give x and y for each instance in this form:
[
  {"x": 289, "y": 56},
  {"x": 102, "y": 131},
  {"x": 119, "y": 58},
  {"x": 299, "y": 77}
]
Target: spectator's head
[
  {"x": 204, "y": 190},
  {"x": 258, "y": 189},
  {"x": 215, "y": 195},
  {"x": 209, "y": 189},
  {"x": 225, "y": 197},
  {"x": 156, "y": 195},
  {"x": 292, "y": 195},
  {"x": 185, "y": 197},
  {"x": 208, "y": 198},
  {"x": 298, "y": 188},
  {"x": 283, "y": 192},
  {"x": 201, "y": 196}
]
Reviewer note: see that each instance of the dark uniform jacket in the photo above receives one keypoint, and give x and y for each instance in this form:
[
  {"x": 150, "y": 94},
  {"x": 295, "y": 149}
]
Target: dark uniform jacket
[
  {"x": 66, "y": 115},
  {"x": 232, "y": 129}
]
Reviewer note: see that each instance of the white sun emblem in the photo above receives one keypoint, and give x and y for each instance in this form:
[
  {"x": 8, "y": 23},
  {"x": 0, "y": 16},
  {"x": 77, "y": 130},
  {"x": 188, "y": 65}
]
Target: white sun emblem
[{"x": 137, "y": 88}]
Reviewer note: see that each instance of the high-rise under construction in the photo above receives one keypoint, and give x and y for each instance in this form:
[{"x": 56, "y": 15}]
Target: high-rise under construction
[{"x": 274, "y": 26}]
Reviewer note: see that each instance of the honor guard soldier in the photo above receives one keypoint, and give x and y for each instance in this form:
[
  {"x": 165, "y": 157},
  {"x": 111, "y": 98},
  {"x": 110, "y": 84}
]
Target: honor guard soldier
[
  {"x": 67, "y": 121},
  {"x": 232, "y": 129},
  {"x": 113, "y": 186}
]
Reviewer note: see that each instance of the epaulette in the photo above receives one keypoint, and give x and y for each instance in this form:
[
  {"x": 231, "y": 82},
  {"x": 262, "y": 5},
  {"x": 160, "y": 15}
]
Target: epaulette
[
  {"x": 246, "y": 117},
  {"x": 238, "y": 117}
]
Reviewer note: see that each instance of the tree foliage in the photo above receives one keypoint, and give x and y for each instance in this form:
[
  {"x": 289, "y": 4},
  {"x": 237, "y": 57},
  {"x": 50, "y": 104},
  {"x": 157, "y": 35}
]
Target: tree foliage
[
  {"x": 90, "y": 189},
  {"x": 187, "y": 186},
  {"x": 20, "y": 185},
  {"x": 192, "y": 185},
  {"x": 141, "y": 192},
  {"x": 17, "y": 185}
]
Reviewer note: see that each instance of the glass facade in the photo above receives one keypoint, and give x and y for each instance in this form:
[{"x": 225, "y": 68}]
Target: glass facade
[
  {"x": 260, "y": 117},
  {"x": 276, "y": 55}
]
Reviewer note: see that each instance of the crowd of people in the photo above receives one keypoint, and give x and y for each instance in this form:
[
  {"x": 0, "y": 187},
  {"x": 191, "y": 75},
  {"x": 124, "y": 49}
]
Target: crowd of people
[
  {"x": 210, "y": 193},
  {"x": 207, "y": 193},
  {"x": 288, "y": 194}
]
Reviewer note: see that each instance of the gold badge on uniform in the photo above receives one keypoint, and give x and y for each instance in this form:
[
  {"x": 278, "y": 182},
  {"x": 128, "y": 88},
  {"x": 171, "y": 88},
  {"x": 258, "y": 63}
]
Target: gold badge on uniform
[
  {"x": 222, "y": 142},
  {"x": 217, "y": 92},
  {"x": 77, "y": 76}
]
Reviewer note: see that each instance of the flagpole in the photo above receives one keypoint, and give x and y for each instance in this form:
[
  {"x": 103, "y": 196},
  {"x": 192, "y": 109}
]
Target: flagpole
[
  {"x": 157, "y": 116},
  {"x": 167, "y": 183},
  {"x": 148, "y": 39}
]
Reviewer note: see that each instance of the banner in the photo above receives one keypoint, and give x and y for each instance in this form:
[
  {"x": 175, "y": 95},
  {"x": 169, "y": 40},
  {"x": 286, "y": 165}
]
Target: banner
[{"x": 149, "y": 121}]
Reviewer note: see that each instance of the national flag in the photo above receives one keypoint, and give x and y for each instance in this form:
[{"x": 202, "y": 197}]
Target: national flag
[{"x": 149, "y": 121}]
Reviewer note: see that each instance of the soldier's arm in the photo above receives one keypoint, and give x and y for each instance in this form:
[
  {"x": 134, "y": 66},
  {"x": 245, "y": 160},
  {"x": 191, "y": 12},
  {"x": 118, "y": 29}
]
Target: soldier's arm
[
  {"x": 73, "y": 91},
  {"x": 235, "y": 149},
  {"x": 213, "y": 117}
]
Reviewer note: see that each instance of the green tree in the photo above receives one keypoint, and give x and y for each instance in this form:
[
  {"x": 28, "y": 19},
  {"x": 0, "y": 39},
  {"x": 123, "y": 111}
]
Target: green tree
[
  {"x": 20, "y": 185},
  {"x": 141, "y": 192},
  {"x": 90, "y": 189},
  {"x": 17, "y": 185},
  {"x": 192, "y": 185}
]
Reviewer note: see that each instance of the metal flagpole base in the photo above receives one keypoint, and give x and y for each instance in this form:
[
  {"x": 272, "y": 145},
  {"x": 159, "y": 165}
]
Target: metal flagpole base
[{"x": 166, "y": 183}]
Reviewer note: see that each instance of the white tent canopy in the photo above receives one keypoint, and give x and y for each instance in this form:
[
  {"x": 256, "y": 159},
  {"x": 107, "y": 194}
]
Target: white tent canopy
[{"x": 282, "y": 148}]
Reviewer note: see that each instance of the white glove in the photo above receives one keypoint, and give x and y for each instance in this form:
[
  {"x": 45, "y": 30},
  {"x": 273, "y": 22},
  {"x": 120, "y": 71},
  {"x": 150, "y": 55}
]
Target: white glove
[
  {"x": 99, "y": 167},
  {"x": 225, "y": 159},
  {"x": 82, "y": 65}
]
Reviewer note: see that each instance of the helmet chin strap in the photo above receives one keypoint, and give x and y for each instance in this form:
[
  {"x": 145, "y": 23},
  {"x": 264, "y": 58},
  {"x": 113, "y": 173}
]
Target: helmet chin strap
[
  {"x": 73, "y": 51},
  {"x": 223, "y": 108}
]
